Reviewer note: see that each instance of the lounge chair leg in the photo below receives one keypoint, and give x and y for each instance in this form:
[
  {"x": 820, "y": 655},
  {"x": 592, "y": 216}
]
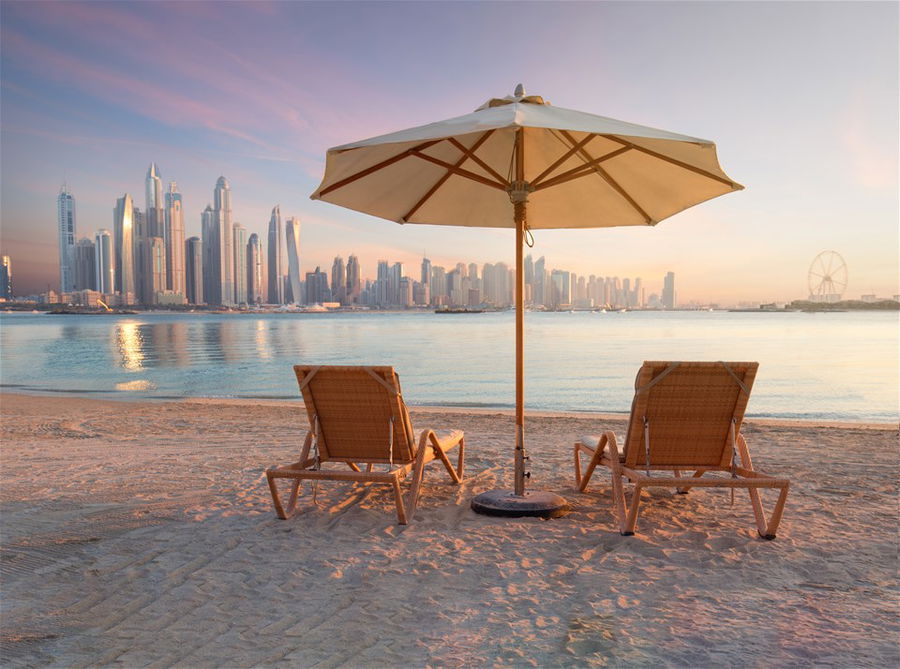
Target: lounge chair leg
[
  {"x": 461, "y": 459},
  {"x": 631, "y": 519},
  {"x": 619, "y": 500},
  {"x": 680, "y": 491},
  {"x": 398, "y": 499},
  {"x": 281, "y": 511},
  {"x": 577, "y": 466}
]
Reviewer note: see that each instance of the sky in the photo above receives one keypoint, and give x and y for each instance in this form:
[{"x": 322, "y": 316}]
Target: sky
[{"x": 800, "y": 98}]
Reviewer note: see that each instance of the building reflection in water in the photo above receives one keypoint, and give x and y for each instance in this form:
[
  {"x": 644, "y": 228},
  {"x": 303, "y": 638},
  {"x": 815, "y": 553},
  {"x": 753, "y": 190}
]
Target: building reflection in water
[
  {"x": 129, "y": 345},
  {"x": 261, "y": 337}
]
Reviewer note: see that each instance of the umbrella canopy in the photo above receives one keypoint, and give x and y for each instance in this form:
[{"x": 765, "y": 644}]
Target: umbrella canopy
[{"x": 519, "y": 154}]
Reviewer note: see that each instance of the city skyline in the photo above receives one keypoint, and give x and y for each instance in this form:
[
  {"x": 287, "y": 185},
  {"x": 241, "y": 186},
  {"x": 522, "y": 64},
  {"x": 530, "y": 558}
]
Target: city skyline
[{"x": 810, "y": 131}]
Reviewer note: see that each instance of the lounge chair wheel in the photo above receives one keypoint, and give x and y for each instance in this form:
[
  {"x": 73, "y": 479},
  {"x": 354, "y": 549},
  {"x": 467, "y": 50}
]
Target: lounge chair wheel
[
  {"x": 767, "y": 537},
  {"x": 627, "y": 534},
  {"x": 683, "y": 492}
]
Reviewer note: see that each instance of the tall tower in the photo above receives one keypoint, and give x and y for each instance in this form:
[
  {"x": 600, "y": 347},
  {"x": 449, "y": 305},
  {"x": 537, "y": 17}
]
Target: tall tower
[
  {"x": 6, "y": 291},
  {"x": 353, "y": 280},
  {"x": 174, "y": 241},
  {"x": 85, "y": 265},
  {"x": 255, "y": 289},
  {"x": 193, "y": 280},
  {"x": 426, "y": 270},
  {"x": 155, "y": 218},
  {"x": 668, "y": 292},
  {"x": 239, "y": 233},
  {"x": 66, "y": 223},
  {"x": 123, "y": 229},
  {"x": 275, "y": 293},
  {"x": 338, "y": 281},
  {"x": 211, "y": 247},
  {"x": 104, "y": 262},
  {"x": 292, "y": 233},
  {"x": 222, "y": 210}
]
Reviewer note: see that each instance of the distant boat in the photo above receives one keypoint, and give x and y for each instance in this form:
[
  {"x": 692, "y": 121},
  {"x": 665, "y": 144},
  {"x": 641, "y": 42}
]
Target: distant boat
[{"x": 459, "y": 311}]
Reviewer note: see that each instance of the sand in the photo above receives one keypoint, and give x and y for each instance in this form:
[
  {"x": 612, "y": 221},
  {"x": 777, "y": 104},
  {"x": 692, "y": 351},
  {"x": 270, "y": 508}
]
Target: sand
[{"x": 142, "y": 534}]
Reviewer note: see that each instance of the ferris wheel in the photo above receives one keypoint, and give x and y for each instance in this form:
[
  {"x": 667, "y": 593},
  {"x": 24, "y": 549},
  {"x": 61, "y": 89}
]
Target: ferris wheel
[{"x": 827, "y": 277}]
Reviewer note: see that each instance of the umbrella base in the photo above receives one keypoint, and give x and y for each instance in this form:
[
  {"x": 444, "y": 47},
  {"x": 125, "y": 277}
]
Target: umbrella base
[{"x": 538, "y": 504}]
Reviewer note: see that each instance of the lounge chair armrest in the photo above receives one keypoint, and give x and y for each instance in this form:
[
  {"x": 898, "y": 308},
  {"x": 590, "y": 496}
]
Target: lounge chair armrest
[
  {"x": 445, "y": 439},
  {"x": 605, "y": 441}
]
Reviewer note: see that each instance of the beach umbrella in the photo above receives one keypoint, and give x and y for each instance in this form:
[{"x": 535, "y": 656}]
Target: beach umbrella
[{"x": 519, "y": 162}]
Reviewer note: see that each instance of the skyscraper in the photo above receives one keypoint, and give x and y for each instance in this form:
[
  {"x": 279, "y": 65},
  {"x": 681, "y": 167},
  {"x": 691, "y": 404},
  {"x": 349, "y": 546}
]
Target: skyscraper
[
  {"x": 193, "y": 280},
  {"x": 255, "y": 266},
  {"x": 275, "y": 265},
  {"x": 6, "y": 290},
  {"x": 292, "y": 234},
  {"x": 354, "y": 287},
  {"x": 211, "y": 247},
  {"x": 155, "y": 250},
  {"x": 66, "y": 224},
  {"x": 338, "y": 281},
  {"x": 123, "y": 229},
  {"x": 426, "y": 270},
  {"x": 174, "y": 236},
  {"x": 85, "y": 265},
  {"x": 222, "y": 210},
  {"x": 156, "y": 225},
  {"x": 668, "y": 292},
  {"x": 104, "y": 262},
  {"x": 239, "y": 233},
  {"x": 316, "y": 287}
]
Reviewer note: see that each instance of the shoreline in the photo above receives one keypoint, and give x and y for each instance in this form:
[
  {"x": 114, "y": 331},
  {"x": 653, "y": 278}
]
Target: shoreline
[{"x": 441, "y": 409}]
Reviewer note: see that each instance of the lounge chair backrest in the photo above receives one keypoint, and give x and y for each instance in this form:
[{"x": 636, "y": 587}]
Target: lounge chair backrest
[
  {"x": 354, "y": 410},
  {"x": 688, "y": 409}
]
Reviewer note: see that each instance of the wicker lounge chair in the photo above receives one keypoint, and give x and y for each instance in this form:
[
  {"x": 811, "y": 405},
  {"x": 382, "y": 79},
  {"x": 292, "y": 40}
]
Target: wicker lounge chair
[
  {"x": 357, "y": 417},
  {"x": 684, "y": 416}
]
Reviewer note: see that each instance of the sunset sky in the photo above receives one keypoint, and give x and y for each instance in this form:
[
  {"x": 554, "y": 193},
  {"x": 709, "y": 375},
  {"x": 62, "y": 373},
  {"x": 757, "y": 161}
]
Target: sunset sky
[{"x": 800, "y": 98}]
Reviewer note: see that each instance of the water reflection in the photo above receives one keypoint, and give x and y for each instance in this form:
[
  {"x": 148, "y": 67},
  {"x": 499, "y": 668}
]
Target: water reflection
[{"x": 130, "y": 345}]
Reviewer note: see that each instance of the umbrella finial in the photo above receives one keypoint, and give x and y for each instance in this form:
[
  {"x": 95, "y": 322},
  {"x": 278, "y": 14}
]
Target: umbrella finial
[{"x": 520, "y": 91}]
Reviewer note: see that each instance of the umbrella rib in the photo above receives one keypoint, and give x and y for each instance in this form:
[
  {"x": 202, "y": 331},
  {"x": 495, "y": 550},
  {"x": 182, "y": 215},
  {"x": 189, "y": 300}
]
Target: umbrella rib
[
  {"x": 469, "y": 153},
  {"x": 375, "y": 168},
  {"x": 562, "y": 159},
  {"x": 687, "y": 166},
  {"x": 581, "y": 170},
  {"x": 446, "y": 176},
  {"x": 608, "y": 179},
  {"x": 459, "y": 171}
]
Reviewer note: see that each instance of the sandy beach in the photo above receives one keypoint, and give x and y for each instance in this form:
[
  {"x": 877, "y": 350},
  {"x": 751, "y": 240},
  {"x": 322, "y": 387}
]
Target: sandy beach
[{"x": 142, "y": 534}]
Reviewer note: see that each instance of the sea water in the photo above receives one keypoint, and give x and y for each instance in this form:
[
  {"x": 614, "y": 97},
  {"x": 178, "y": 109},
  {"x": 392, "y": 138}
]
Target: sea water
[{"x": 832, "y": 366}]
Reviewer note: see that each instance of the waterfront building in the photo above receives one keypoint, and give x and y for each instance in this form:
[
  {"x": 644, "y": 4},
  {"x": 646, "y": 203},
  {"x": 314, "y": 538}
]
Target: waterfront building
[
  {"x": 85, "y": 265},
  {"x": 193, "y": 254},
  {"x": 316, "y": 287},
  {"x": 275, "y": 265},
  {"x": 426, "y": 271},
  {"x": 225, "y": 248},
  {"x": 123, "y": 240},
  {"x": 405, "y": 292},
  {"x": 156, "y": 224},
  {"x": 338, "y": 281},
  {"x": 255, "y": 289},
  {"x": 292, "y": 235},
  {"x": 174, "y": 236},
  {"x": 211, "y": 246},
  {"x": 381, "y": 284},
  {"x": 353, "y": 287},
  {"x": 395, "y": 274},
  {"x": 104, "y": 263},
  {"x": 6, "y": 284},
  {"x": 240, "y": 263},
  {"x": 155, "y": 253},
  {"x": 65, "y": 217},
  {"x": 539, "y": 295},
  {"x": 668, "y": 292},
  {"x": 421, "y": 294},
  {"x": 438, "y": 286}
]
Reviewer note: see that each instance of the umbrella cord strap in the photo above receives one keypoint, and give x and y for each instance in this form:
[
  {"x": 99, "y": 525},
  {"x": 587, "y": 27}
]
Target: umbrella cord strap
[
  {"x": 318, "y": 457},
  {"x": 647, "y": 446},
  {"x": 733, "y": 456}
]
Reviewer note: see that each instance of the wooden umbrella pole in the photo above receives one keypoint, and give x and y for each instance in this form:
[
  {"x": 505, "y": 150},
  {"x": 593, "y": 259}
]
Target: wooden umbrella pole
[{"x": 519, "y": 209}]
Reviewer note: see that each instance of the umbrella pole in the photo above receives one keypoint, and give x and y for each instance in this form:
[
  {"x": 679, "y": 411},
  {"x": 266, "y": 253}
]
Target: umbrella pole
[{"x": 520, "y": 457}]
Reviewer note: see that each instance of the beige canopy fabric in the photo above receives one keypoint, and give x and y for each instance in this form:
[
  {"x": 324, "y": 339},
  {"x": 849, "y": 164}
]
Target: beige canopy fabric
[{"x": 587, "y": 171}]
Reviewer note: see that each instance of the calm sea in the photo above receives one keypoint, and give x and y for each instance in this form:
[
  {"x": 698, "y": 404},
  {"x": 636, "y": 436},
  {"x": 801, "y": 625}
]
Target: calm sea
[{"x": 838, "y": 366}]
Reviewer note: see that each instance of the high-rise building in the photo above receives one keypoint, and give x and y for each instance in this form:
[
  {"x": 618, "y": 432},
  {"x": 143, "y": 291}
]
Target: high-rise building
[
  {"x": 381, "y": 284},
  {"x": 6, "y": 290},
  {"x": 85, "y": 265},
  {"x": 354, "y": 285},
  {"x": 668, "y": 292},
  {"x": 65, "y": 216},
  {"x": 338, "y": 281},
  {"x": 275, "y": 264},
  {"x": 174, "y": 236},
  {"x": 156, "y": 224},
  {"x": 255, "y": 289},
  {"x": 539, "y": 294},
  {"x": 222, "y": 211},
  {"x": 123, "y": 231},
  {"x": 292, "y": 234},
  {"x": 426, "y": 271},
  {"x": 193, "y": 280},
  {"x": 211, "y": 246},
  {"x": 155, "y": 249},
  {"x": 438, "y": 285},
  {"x": 104, "y": 262},
  {"x": 396, "y": 273},
  {"x": 240, "y": 263},
  {"x": 317, "y": 287}
]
